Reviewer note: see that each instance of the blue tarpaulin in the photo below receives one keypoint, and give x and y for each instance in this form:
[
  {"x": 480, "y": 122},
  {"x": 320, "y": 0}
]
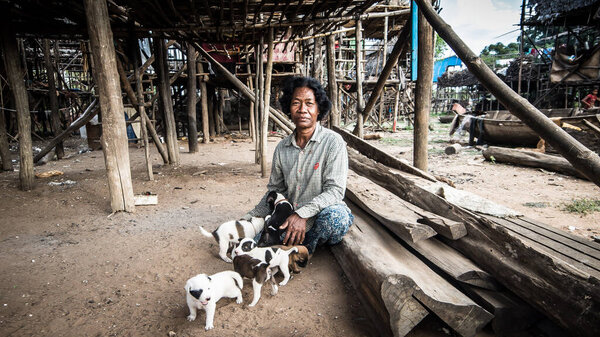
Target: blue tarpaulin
[{"x": 440, "y": 66}]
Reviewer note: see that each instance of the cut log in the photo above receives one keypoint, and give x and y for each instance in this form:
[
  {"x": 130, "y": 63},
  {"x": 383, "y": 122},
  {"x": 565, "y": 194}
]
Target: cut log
[
  {"x": 404, "y": 219},
  {"x": 380, "y": 156},
  {"x": 557, "y": 287},
  {"x": 531, "y": 159},
  {"x": 453, "y": 149},
  {"x": 511, "y": 314},
  {"x": 397, "y": 285}
]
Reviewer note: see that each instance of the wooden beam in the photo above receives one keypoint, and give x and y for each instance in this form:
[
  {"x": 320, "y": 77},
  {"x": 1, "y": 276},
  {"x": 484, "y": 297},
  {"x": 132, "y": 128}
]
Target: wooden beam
[
  {"x": 191, "y": 99},
  {"x": 114, "y": 134},
  {"x": 55, "y": 116},
  {"x": 138, "y": 76},
  {"x": 204, "y": 105},
  {"x": 14, "y": 72},
  {"x": 265, "y": 113},
  {"x": 583, "y": 159},
  {"x": 423, "y": 92}
]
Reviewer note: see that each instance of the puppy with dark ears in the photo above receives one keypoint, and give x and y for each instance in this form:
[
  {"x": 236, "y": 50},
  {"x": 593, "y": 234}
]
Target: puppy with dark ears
[
  {"x": 280, "y": 209},
  {"x": 256, "y": 270},
  {"x": 278, "y": 259},
  {"x": 203, "y": 292}
]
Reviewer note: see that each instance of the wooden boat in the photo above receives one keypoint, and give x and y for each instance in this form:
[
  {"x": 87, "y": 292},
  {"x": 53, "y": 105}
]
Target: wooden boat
[{"x": 500, "y": 127}]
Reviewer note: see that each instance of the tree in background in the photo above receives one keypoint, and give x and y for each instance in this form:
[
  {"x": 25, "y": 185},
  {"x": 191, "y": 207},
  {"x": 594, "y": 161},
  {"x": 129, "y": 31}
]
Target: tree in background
[
  {"x": 440, "y": 47},
  {"x": 498, "y": 51}
]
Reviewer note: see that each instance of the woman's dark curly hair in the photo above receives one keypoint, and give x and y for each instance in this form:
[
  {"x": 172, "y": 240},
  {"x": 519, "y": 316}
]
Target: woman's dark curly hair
[{"x": 291, "y": 83}]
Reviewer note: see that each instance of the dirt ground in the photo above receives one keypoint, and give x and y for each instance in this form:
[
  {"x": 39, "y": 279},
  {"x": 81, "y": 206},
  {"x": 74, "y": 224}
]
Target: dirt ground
[{"x": 70, "y": 269}]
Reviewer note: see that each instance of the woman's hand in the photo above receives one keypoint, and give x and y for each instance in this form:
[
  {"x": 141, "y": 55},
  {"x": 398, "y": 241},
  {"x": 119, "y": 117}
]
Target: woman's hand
[{"x": 296, "y": 229}]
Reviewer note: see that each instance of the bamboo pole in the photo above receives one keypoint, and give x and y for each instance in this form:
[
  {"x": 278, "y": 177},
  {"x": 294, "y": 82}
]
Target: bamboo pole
[
  {"x": 360, "y": 105},
  {"x": 260, "y": 80},
  {"x": 423, "y": 92},
  {"x": 14, "y": 72},
  {"x": 55, "y": 116},
  {"x": 384, "y": 60},
  {"x": 114, "y": 137},
  {"x": 265, "y": 113},
  {"x": 191, "y": 99},
  {"x": 331, "y": 82},
  {"x": 584, "y": 160}
]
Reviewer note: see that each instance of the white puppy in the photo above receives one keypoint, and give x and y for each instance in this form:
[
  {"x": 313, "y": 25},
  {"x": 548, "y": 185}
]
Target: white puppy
[
  {"x": 229, "y": 233},
  {"x": 203, "y": 292},
  {"x": 276, "y": 258}
]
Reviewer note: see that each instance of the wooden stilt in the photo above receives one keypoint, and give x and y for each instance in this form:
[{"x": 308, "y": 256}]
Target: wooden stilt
[
  {"x": 167, "y": 101},
  {"x": 359, "y": 130},
  {"x": 191, "y": 99},
  {"x": 251, "y": 123},
  {"x": 211, "y": 112},
  {"x": 142, "y": 110},
  {"x": 114, "y": 137},
  {"x": 204, "y": 105},
  {"x": 423, "y": 93},
  {"x": 265, "y": 111},
  {"x": 317, "y": 71},
  {"x": 55, "y": 116},
  {"x": 331, "y": 82},
  {"x": 383, "y": 61},
  {"x": 5, "y": 155},
  {"x": 17, "y": 85},
  {"x": 260, "y": 103}
]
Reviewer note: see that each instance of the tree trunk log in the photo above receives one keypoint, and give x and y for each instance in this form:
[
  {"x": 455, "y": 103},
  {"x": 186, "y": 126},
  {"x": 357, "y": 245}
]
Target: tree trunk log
[
  {"x": 162, "y": 72},
  {"x": 531, "y": 159},
  {"x": 584, "y": 160},
  {"x": 114, "y": 135},
  {"x": 398, "y": 286},
  {"x": 191, "y": 99},
  {"x": 5, "y": 155},
  {"x": 14, "y": 73}
]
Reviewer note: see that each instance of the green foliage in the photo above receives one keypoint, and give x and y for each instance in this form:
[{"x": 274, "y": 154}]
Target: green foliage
[
  {"x": 498, "y": 51},
  {"x": 395, "y": 141},
  {"x": 536, "y": 204},
  {"x": 582, "y": 206},
  {"x": 440, "y": 47}
]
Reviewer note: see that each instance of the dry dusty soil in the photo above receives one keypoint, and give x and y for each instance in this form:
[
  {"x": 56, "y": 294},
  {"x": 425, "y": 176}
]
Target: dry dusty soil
[{"x": 70, "y": 269}]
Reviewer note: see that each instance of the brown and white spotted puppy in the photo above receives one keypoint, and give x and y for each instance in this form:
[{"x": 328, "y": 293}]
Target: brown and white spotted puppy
[
  {"x": 229, "y": 233},
  {"x": 297, "y": 259},
  {"x": 275, "y": 257},
  {"x": 256, "y": 270}
]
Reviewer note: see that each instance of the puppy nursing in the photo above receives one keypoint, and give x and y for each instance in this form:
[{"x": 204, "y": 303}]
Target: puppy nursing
[
  {"x": 203, "y": 292},
  {"x": 280, "y": 209},
  {"x": 228, "y": 233}
]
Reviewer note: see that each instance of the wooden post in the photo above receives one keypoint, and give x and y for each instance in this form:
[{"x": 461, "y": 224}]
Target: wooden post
[
  {"x": 251, "y": 122},
  {"x": 4, "y": 146},
  {"x": 317, "y": 69},
  {"x": 114, "y": 136},
  {"x": 583, "y": 159},
  {"x": 211, "y": 114},
  {"x": 396, "y": 102},
  {"x": 265, "y": 113},
  {"x": 204, "y": 105},
  {"x": 260, "y": 103},
  {"x": 14, "y": 73},
  {"x": 331, "y": 82},
  {"x": 55, "y": 117},
  {"x": 423, "y": 92},
  {"x": 191, "y": 101},
  {"x": 385, "y": 41},
  {"x": 138, "y": 73},
  {"x": 167, "y": 102},
  {"x": 359, "y": 130}
]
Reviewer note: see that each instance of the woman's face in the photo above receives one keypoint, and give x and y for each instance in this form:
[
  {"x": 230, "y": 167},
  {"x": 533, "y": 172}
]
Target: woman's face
[{"x": 304, "y": 108}]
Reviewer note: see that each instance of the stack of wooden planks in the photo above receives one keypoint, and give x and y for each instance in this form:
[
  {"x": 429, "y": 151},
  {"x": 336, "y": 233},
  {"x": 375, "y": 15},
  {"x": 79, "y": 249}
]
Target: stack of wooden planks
[{"x": 411, "y": 253}]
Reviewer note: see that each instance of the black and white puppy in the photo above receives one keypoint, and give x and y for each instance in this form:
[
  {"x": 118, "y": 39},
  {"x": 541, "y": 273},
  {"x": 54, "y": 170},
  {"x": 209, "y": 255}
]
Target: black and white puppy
[
  {"x": 280, "y": 209},
  {"x": 256, "y": 270},
  {"x": 278, "y": 259},
  {"x": 203, "y": 292},
  {"x": 229, "y": 233}
]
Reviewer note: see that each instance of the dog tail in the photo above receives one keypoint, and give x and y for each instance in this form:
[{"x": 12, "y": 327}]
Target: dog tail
[
  {"x": 206, "y": 233},
  {"x": 238, "y": 280}
]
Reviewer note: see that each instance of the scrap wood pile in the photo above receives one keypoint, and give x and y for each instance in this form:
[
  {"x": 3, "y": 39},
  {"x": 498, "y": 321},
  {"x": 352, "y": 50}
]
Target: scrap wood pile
[
  {"x": 413, "y": 251},
  {"x": 457, "y": 79}
]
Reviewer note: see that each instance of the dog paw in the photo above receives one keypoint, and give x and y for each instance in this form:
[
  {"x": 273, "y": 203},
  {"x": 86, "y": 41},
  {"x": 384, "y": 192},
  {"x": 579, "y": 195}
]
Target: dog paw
[
  {"x": 191, "y": 318},
  {"x": 226, "y": 259},
  {"x": 282, "y": 283},
  {"x": 209, "y": 327},
  {"x": 251, "y": 304},
  {"x": 239, "y": 301},
  {"x": 274, "y": 292}
]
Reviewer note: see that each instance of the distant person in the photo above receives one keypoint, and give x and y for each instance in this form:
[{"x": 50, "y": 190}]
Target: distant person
[{"x": 590, "y": 100}]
